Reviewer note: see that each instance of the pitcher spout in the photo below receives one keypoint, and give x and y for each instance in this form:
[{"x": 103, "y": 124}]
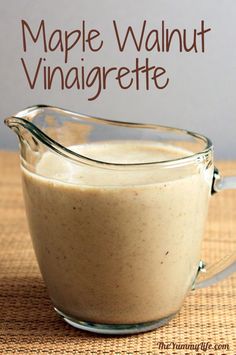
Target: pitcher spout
[
  {"x": 17, "y": 124},
  {"x": 46, "y": 128},
  {"x": 24, "y": 129}
]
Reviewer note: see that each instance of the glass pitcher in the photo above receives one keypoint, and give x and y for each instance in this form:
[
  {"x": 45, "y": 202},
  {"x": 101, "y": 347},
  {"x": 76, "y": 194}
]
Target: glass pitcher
[{"x": 116, "y": 212}]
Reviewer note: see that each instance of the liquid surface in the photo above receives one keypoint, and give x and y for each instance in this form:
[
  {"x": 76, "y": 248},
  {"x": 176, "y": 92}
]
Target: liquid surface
[
  {"x": 51, "y": 165},
  {"x": 113, "y": 246},
  {"x": 132, "y": 152}
]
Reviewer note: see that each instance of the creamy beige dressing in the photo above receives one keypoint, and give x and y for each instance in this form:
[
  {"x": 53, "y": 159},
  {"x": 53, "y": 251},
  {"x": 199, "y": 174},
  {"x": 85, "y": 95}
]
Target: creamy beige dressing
[{"x": 113, "y": 245}]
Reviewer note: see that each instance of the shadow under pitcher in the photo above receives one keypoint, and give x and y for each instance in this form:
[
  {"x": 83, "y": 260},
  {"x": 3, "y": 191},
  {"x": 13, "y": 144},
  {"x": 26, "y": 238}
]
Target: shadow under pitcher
[{"x": 116, "y": 212}]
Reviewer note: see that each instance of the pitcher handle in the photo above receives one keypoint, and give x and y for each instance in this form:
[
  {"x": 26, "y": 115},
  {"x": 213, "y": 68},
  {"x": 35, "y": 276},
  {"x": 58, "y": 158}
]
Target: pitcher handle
[{"x": 226, "y": 266}]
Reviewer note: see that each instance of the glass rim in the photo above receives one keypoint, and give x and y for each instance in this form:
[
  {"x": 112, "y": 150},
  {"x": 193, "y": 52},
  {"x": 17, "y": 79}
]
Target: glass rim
[{"x": 21, "y": 119}]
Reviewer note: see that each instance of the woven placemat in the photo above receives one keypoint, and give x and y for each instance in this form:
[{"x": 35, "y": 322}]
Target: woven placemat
[{"x": 29, "y": 325}]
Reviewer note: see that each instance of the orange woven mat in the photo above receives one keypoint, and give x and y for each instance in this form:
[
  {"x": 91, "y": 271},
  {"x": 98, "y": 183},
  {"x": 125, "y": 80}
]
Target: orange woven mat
[{"x": 29, "y": 325}]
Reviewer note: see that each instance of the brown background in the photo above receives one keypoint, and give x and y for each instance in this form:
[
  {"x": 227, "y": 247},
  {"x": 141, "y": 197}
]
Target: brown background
[{"x": 29, "y": 325}]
